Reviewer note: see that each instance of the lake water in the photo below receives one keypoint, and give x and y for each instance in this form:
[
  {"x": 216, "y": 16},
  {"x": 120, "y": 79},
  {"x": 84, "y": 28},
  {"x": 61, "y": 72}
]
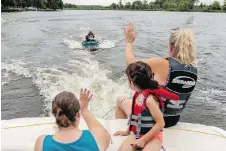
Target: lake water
[{"x": 42, "y": 56}]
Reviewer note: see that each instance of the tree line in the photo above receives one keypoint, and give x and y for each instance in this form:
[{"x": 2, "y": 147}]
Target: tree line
[
  {"x": 39, "y": 4},
  {"x": 174, "y": 5},
  {"x": 170, "y": 5},
  {"x": 84, "y": 7}
]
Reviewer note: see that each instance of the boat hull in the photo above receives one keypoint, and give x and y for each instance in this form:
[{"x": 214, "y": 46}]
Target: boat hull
[{"x": 20, "y": 134}]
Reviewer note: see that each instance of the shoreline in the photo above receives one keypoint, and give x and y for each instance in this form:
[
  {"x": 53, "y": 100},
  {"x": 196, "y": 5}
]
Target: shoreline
[
  {"x": 9, "y": 10},
  {"x": 150, "y": 10}
]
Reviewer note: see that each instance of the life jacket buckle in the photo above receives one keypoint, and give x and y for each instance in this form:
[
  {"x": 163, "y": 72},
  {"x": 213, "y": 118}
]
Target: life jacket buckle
[{"x": 137, "y": 135}]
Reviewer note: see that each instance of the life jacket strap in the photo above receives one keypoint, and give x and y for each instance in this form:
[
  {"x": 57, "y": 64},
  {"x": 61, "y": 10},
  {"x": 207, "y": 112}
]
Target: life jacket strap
[
  {"x": 143, "y": 118},
  {"x": 138, "y": 127},
  {"x": 142, "y": 125}
]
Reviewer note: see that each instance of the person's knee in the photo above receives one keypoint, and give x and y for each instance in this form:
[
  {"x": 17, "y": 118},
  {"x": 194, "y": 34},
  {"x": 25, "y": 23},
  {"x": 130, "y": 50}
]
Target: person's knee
[
  {"x": 125, "y": 147},
  {"x": 120, "y": 99},
  {"x": 154, "y": 145}
]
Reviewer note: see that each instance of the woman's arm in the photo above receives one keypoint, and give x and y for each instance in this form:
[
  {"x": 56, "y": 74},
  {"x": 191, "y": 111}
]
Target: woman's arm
[
  {"x": 129, "y": 38},
  {"x": 157, "y": 115},
  {"x": 157, "y": 64},
  {"x": 130, "y": 58},
  {"x": 100, "y": 134}
]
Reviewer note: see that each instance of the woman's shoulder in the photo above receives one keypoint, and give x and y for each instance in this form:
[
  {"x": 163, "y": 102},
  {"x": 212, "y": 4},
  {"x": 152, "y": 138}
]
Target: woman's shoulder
[
  {"x": 87, "y": 132},
  {"x": 41, "y": 138},
  {"x": 158, "y": 64},
  {"x": 39, "y": 142},
  {"x": 156, "y": 60}
]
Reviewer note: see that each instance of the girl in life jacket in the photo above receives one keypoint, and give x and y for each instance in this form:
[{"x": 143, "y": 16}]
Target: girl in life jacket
[{"x": 146, "y": 121}]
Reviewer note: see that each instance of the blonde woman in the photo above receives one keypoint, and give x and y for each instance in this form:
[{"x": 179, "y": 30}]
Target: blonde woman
[{"x": 176, "y": 73}]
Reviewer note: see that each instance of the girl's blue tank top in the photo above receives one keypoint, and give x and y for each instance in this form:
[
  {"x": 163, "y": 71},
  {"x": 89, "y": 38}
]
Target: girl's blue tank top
[{"x": 85, "y": 143}]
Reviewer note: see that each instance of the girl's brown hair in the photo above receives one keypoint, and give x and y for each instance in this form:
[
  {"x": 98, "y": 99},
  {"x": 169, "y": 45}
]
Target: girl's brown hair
[{"x": 65, "y": 106}]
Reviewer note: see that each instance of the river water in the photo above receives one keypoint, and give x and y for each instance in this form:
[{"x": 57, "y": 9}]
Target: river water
[{"x": 42, "y": 56}]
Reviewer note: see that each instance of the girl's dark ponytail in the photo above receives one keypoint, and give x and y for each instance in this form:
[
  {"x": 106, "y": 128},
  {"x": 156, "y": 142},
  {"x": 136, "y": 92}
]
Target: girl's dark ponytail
[{"x": 141, "y": 75}]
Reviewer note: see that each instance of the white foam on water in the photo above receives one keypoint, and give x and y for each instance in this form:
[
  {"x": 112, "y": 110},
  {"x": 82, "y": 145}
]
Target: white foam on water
[
  {"x": 4, "y": 83},
  {"x": 107, "y": 44},
  {"x": 84, "y": 73},
  {"x": 214, "y": 92},
  {"x": 5, "y": 79},
  {"x": 73, "y": 44},
  {"x": 210, "y": 95},
  {"x": 5, "y": 20},
  {"x": 17, "y": 67}
]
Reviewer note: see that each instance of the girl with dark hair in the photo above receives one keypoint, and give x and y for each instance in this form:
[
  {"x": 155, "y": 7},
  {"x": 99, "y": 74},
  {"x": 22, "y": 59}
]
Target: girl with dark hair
[{"x": 146, "y": 121}]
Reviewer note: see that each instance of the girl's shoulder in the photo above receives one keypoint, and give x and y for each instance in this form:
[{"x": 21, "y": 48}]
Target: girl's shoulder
[{"x": 152, "y": 99}]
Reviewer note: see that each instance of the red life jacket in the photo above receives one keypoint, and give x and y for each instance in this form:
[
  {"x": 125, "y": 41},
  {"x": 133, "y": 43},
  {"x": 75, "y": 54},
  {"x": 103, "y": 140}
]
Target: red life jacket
[{"x": 141, "y": 120}]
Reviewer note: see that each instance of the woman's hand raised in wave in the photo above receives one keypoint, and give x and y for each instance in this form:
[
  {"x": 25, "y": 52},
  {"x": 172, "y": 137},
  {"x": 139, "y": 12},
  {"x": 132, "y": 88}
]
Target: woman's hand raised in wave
[
  {"x": 129, "y": 33},
  {"x": 84, "y": 99},
  {"x": 101, "y": 135}
]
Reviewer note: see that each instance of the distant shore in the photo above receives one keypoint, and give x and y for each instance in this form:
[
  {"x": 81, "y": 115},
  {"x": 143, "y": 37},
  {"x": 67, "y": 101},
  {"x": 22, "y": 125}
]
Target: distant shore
[
  {"x": 167, "y": 10},
  {"x": 24, "y": 9}
]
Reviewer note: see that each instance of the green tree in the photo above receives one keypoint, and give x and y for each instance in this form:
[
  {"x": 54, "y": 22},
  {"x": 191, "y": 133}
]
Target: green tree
[
  {"x": 128, "y": 5},
  {"x": 201, "y": 5},
  {"x": 157, "y": 6},
  {"x": 8, "y": 3},
  {"x": 52, "y": 4},
  {"x": 224, "y": 6},
  {"x": 60, "y": 4},
  {"x": 145, "y": 5},
  {"x": 29, "y": 3},
  {"x": 159, "y": 3},
  {"x": 151, "y": 5},
  {"x": 23, "y": 3},
  {"x": 216, "y": 5},
  {"x": 192, "y": 3},
  {"x": 166, "y": 5},
  {"x": 18, "y": 3},
  {"x": 184, "y": 6},
  {"x": 39, "y": 4},
  {"x": 174, "y": 5},
  {"x": 120, "y": 5},
  {"x": 113, "y": 6},
  {"x": 137, "y": 5}
]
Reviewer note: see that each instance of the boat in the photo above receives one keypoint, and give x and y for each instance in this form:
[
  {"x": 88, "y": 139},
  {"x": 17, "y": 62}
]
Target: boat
[
  {"x": 20, "y": 134},
  {"x": 91, "y": 45}
]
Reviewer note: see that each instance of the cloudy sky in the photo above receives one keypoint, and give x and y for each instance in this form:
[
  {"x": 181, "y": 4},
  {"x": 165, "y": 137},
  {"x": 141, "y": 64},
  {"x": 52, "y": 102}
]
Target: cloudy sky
[{"x": 108, "y": 2}]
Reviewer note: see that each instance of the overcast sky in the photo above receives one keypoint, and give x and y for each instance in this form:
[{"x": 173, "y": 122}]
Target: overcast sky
[{"x": 108, "y": 2}]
